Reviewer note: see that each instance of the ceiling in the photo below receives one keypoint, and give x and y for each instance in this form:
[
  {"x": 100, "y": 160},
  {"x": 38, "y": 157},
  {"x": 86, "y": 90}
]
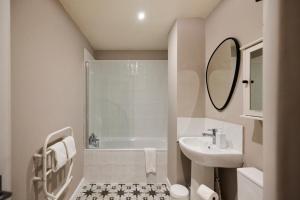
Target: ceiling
[{"x": 113, "y": 24}]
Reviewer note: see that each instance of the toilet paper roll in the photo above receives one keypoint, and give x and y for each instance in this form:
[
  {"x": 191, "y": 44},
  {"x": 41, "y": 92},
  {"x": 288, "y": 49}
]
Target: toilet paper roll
[{"x": 205, "y": 193}]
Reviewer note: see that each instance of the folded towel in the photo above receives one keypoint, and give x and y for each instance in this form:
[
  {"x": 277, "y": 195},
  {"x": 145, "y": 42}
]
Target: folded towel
[
  {"x": 60, "y": 155},
  {"x": 69, "y": 143},
  {"x": 150, "y": 158}
]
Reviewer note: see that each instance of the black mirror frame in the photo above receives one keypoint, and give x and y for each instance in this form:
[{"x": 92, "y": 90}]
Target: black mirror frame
[{"x": 236, "y": 73}]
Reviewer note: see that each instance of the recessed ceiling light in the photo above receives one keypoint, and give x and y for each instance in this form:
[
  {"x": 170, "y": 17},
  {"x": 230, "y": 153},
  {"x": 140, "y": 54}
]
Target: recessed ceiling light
[{"x": 141, "y": 16}]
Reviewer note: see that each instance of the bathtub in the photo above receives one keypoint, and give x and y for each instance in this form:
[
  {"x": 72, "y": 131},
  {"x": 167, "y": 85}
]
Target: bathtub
[
  {"x": 122, "y": 160},
  {"x": 131, "y": 143}
]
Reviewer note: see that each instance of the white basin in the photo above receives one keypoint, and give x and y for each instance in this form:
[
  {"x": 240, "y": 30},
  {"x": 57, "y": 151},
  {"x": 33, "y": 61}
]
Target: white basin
[{"x": 203, "y": 152}]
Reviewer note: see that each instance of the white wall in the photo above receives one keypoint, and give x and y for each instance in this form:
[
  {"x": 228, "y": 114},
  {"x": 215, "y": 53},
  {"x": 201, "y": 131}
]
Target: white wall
[{"x": 5, "y": 121}]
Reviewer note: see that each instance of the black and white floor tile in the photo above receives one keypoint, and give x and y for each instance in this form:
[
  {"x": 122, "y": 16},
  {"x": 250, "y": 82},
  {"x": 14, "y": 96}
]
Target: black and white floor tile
[{"x": 127, "y": 191}]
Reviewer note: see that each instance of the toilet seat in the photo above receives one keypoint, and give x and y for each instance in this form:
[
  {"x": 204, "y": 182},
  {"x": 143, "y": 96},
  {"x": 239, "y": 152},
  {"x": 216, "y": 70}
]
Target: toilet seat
[{"x": 179, "y": 191}]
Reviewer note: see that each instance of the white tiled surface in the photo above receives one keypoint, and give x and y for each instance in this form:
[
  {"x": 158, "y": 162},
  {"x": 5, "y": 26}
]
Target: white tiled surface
[
  {"x": 233, "y": 132},
  {"x": 159, "y": 143},
  {"x": 128, "y": 103},
  {"x": 196, "y": 126},
  {"x": 187, "y": 126},
  {"x": 122, "y": 166}
]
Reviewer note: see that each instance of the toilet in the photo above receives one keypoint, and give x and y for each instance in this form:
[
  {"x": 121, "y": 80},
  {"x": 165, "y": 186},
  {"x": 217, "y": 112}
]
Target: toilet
[
  {"x": 179, "y": 192},
  {"x": 250, "y": 184}
]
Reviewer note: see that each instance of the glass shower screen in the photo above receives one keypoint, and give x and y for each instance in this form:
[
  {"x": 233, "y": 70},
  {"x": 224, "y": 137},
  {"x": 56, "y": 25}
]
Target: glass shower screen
[{"x": 126, "y": 103}]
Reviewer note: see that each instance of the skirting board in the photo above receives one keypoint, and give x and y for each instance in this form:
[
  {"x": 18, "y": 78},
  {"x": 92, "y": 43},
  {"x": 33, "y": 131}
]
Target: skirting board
[{"x": 77, "y": 189}]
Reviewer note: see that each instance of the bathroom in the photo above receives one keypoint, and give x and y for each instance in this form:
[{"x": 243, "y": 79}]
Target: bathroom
[{"x": 153, "y": 111}]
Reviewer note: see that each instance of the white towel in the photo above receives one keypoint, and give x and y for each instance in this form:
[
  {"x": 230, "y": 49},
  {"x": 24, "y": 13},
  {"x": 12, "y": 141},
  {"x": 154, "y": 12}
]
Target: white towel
[
  {"x": 60, "y": 155},
  {"x": 150, "y": 158},
  {"x": 69, "y": 143}
]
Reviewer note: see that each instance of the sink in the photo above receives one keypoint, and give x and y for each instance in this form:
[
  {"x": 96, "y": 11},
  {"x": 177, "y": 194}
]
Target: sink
[{"x": 201, "y": 151}]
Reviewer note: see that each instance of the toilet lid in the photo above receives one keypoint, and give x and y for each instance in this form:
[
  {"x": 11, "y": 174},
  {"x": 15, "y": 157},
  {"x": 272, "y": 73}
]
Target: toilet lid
[{"x": 179, "y": 191}]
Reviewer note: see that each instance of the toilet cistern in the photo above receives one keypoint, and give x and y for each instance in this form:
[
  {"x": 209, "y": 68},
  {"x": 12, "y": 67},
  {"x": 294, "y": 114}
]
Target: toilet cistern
[{"x": 213, "y": 134}]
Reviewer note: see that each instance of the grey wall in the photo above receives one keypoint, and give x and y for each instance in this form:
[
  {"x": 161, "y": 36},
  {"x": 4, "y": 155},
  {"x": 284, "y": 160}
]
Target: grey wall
[
  {"x": 5, "y": 120},
  {"x": 186, "y": 88},
  {"x": 131, "y": 55},
  {"x": 172, "y": 105},
  {"x": 242, "y": 20},
  {"x": 281, "y": 99},
  {"x": 47, "y": 87},
  {"x": 191, "y": 58}
]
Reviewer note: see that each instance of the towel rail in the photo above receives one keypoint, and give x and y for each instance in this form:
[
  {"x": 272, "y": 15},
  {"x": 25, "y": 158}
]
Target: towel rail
[{"x": 46, "y": 172}]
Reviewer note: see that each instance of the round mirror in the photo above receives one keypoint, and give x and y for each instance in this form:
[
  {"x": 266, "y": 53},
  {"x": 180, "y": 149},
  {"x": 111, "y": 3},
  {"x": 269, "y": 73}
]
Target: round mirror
[{"x": 222, "y": 72}]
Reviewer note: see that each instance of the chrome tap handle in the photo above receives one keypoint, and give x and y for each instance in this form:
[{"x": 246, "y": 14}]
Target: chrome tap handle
[
  {"x": 214, "y": 134},
  {"x": 214, "y": 131}
]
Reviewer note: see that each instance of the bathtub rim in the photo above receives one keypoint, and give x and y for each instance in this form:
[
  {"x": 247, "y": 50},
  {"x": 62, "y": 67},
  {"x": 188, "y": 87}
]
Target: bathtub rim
[{"x": 143, "y": 149}]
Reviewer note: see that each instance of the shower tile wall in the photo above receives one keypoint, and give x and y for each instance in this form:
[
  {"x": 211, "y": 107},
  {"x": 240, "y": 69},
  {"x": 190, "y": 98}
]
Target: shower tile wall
[{"x": 128, "y": 99}]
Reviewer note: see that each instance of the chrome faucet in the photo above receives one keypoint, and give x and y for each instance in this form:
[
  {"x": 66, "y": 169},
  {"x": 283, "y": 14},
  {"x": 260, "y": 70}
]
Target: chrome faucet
[
  {"x": 213, "y": 134},
  {"x": 93, "y": 140}
]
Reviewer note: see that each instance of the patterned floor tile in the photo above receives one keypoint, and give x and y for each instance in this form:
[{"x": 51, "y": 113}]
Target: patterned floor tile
[{"x": 128, "y": 191}]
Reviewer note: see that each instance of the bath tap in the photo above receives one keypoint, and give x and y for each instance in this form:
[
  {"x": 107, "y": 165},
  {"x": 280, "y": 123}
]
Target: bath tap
[
  {"x": 93, "y": 140},
  {"x": 213, "y": 134}
]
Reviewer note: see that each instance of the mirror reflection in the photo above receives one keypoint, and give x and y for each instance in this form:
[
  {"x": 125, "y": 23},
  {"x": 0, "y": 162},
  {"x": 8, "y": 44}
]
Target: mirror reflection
[
  {"x": 256, "y": 79},
  {"x": 222, "y": 72}
]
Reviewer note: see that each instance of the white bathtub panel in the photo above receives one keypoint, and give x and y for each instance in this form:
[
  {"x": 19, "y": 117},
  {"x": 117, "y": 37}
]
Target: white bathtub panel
[{"x": 122, "y": 166}]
